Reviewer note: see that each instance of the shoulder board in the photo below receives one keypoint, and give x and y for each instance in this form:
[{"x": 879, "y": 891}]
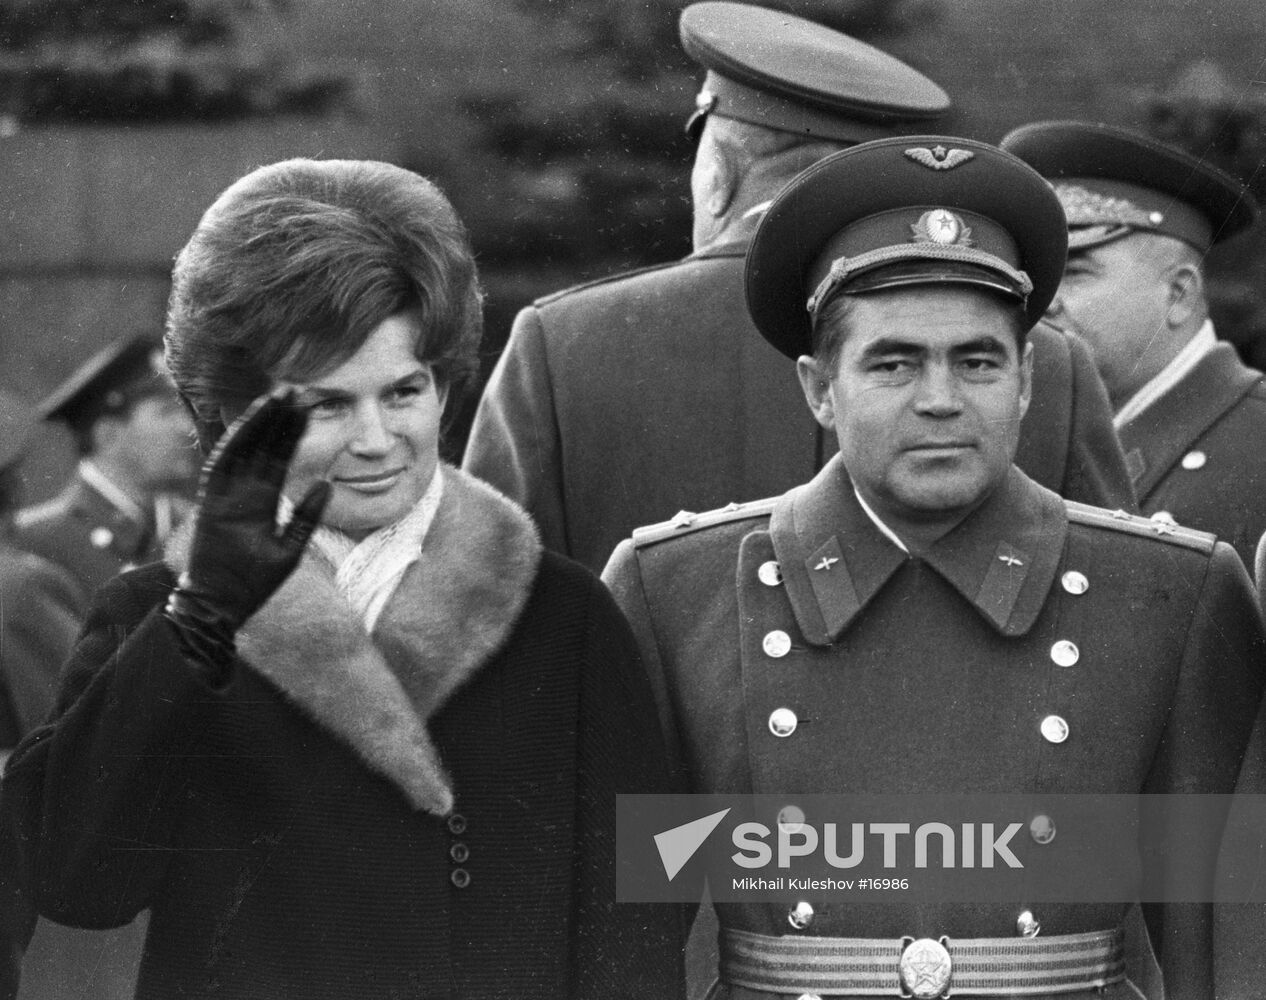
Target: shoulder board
[
  {"x": 1146, "y": 527},
  {"x": 610, "y": 279},
  {"x": 687, "y": 523}
]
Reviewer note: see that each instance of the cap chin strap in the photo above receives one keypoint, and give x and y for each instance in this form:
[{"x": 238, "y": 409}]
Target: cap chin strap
[{"x": 844, "y": 268}]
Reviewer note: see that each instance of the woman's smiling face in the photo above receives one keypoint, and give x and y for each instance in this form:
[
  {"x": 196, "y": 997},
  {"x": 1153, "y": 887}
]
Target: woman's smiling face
[{"x": 373, "y": 431}]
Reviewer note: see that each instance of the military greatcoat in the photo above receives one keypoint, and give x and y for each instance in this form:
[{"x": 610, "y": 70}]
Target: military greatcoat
[
  {"x": 618, "y": 403},
  {"x": 86, "y": 534},
  {"x": 1159, "y": 696},
  {"x": 1196, "y": 453}
]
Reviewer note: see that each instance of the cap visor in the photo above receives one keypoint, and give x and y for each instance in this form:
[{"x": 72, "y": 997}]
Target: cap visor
[{"x": 928, "y": 273}]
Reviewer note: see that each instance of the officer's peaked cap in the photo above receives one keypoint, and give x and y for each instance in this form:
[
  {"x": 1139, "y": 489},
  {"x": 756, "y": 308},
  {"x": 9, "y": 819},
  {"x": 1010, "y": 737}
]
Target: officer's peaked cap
[
  {"x": 911, "y": 210},
  {"x": 770, "y": 68},
  {"x": 1114, "y": 182},
  {"x": 109, "y": 382}
]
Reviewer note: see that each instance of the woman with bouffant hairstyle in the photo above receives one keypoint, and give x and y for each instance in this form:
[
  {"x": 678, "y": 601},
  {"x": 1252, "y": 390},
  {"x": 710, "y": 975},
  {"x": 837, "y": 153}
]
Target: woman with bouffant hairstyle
[{"x": 359, "y": 736}]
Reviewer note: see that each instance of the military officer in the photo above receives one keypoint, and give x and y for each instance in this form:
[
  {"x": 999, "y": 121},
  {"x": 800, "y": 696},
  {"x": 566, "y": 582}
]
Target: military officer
[
  {"x": 922, "y": 616},
  {"x": 1190, "y": 414},
  {"x": 619, "y": 402},
  {"x": 137, "y": 462},
  {"x": 38, "y": 623}
]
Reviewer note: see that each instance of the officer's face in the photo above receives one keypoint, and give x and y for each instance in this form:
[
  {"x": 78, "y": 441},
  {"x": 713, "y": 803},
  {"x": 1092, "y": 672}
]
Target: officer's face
[
  {"x": 373, "y": 431},
  {"x": 155, "y": 442},
  {"x": 1116, "y": 297},
  {"x": 926, "y": 398}
]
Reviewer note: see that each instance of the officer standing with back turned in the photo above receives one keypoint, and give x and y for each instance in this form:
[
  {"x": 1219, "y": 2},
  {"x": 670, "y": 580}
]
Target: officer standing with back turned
[
  {"x": 922, "y": 617},
  {"x": 620, "y": 402}
]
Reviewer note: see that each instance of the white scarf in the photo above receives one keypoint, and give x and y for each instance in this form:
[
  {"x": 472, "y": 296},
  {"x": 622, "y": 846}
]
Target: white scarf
[{"x": 367, "y": 572}]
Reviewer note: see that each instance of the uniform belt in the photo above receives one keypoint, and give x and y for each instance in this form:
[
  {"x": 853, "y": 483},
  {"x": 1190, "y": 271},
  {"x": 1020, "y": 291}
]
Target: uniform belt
[{"x": 925, "y": 969}]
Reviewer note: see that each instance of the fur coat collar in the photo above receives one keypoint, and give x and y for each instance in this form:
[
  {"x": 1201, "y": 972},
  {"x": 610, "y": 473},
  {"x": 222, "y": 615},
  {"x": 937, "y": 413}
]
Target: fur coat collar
[{"x": 453, "y": 610}]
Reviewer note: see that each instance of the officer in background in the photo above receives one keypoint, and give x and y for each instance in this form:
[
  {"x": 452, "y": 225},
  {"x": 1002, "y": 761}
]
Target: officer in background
[
  {"x": 38, "y": 600},
  {"x": 619, "y": 402},
  {"x": 137, "y": 464},
  {"x": 922, "y": 617},
  {"x": 1190, "y": 414},
  {"x": 38, "y": 623}
]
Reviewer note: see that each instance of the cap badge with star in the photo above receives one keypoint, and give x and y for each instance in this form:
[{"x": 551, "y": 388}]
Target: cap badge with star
[{"x": 890, "y": 214}]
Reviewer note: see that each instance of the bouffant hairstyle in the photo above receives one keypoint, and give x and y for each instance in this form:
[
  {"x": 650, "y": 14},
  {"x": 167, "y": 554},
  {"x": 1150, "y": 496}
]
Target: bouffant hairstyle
[{"x": 294, "y": 265}]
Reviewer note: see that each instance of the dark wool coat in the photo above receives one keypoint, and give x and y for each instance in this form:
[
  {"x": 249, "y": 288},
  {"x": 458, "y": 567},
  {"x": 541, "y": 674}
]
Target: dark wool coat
[
  {"x": 934, "y": 674},
  {"x": 1199, "y": 452},
  {"x": 619, "y": 403},
  {"x": 291, "y": 833}
]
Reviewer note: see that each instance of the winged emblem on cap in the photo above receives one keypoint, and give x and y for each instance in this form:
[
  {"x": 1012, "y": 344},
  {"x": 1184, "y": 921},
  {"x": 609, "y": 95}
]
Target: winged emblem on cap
[{"x": 940, "y": 158}]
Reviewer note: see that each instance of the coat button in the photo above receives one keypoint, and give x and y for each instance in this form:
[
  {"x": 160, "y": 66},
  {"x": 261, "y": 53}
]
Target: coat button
[
  {"x": 791, "y": 817},
  {"x": 101, "y": 537},
  {"x": 1165, "y": 517},
  {"x": 800, "y": 916},
  {"x": 809, "y": 996},
  {"x": 1027, "y": 925},
  {"x": 459, "y": 853},
  {"x": 460, "y": 877},
  {"x": 1042, "y": 829},
  {"x": 776, "y": 644},
  {"x": 770, "y": 573},
  {"x": 1054, "y": 729},
  {"x": 783, "y": 722},
  {"x": 1065, "y": 653},
  {"x": 457, "y": 824},
  {"x": 1074, "y": 582},
  {"x": 1194, "y": 460}
]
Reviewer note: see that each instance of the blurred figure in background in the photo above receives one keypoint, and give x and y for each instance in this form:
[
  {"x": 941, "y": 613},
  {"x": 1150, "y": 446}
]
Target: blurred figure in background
[
  {"x": 622, "y": 401},
  {"x": 38, "y": 600},
  {"x": 136, "y": 469},
  {"x": 137, "y": 466},
  {"x": 1191, "y": 415},
  {"x": 38, "y": 622}
]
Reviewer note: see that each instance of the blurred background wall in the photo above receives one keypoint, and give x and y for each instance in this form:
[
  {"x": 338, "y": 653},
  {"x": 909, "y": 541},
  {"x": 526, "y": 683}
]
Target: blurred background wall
[{"x": 554, "y": 125}]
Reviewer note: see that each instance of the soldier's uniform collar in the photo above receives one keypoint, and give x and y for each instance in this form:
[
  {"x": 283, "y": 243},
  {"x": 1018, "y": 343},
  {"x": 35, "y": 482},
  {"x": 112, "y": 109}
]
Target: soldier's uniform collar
[
  {"x": 1002, "y": 558},
  {"x": 124, "y": 532}
]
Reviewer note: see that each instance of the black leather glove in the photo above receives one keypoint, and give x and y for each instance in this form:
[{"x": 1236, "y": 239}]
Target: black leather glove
[{"x": 237, "y": 557}]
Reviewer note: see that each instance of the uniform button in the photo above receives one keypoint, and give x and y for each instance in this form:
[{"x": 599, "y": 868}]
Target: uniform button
[
  {"x": 1165, "y": 517},
  {"x": 809, "y": 996},
  {"x": 1065, "y": 653},
  {"x": 776, "y": 644},
  {"x": 791, "y": 816},
  {"x": 1194, "y": 460},
  {"x": 460, "y": 877},
  {"x": 1042, "y": 829},
  {"x": 770, "y": 573},
  {"x": 783, "y": 722},
  {"x": 457, "y": 824},
  {"x": 1074, "y": 582},
  {"x": 101, "y": 537},
  {"x": 459, "y": 853},
  {"x": 800, "y": 916},
  {"x": 1027, "y": 925},
  {"x": 1054, "y": 729}
]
